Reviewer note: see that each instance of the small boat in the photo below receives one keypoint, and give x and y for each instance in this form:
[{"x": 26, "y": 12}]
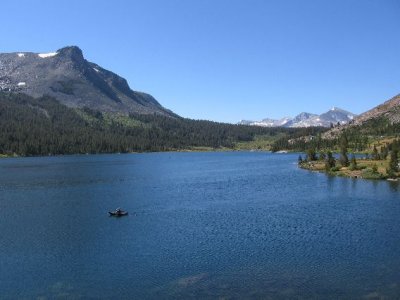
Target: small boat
[{"x": 118, "y": 213}]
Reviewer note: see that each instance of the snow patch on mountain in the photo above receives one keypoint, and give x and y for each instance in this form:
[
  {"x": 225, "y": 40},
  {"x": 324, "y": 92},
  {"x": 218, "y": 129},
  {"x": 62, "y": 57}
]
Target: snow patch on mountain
[
  {"x": 333, "y": 116},
  {"x": 46, "y": 55},
  {"x": 72, "y": 80}
]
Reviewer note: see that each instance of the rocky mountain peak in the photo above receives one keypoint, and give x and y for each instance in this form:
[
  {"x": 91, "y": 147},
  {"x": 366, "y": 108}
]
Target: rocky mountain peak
[
  {"x": 303, "y": 116},
  {"x": 71, "y": 79},
  {"x": 71, "y": 52},
  {"x": 305, "y": 119}
]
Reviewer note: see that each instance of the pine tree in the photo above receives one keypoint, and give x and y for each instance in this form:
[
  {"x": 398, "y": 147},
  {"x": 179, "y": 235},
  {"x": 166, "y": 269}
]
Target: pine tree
[
  {"x": 322, "y": 156},
  {"x": 300, "y": 160},
  {"x": 374, "y": 169},
  {"x": 319, "y": 141},
  {"x": 330, "y": 161},
  {"x": 384, "y": 152},
  {"x": 393, "y": 163},
  {"x": 375, "y": 155},
  {"x": 353, "y": 163},
  {"x": 311, "y": 154},
  {"x": 344, "y": 142},
  {"x": 344, "y": 160}
]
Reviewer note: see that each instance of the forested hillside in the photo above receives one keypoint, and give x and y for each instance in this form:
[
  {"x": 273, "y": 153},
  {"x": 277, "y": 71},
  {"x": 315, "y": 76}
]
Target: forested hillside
[
  {"x": 360, "y": 138},
  {"x": 44, "y": 126},
  {"x": 377, "y": 126}
]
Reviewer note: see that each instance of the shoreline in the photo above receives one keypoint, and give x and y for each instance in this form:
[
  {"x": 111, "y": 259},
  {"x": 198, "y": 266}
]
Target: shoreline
[
  {"x": 194, "y": 150},
  {"x": 367, "y": 169}
]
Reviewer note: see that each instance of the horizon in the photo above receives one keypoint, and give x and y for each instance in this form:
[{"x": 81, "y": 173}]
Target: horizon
[
  {"x": 228, "y": 61},
  {"x": 307, "y": 112}
]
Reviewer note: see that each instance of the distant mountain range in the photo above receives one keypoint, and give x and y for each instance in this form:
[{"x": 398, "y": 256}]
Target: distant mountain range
[
  {"x": 67, "y": 76},
  {"x": 304, "y": 119}
]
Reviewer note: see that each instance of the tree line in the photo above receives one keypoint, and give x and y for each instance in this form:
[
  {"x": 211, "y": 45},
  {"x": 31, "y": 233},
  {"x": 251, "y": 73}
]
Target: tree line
[
  {"x": 391, "y": 150},
  {"x": 44, "y": 126}
]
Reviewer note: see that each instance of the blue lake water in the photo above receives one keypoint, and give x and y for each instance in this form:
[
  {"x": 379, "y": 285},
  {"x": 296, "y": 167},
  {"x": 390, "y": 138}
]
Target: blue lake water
[{"x": 228, "y": 225}]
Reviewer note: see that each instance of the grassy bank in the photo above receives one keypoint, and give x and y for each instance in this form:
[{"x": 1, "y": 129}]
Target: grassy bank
[
  {"x": 8, "y": 155},
  {"x": 366, "y": 169},
  {"x": 260, "y": 142}
]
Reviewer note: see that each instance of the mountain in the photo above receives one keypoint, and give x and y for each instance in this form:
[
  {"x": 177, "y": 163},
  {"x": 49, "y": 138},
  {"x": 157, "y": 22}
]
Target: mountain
[
  {"x": 267, "y": 122},
  {"x": 381, "y": 120},
  {"x": 304, "y": 119},
  {"x": 271, "y": 122},
  {"x": 378, "y": 127},
  {"x": 390, "y": 110},
  {"x": 67, "y": 76}
]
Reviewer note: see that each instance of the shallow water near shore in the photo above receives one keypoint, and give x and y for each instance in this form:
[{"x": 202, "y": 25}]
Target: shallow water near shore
[{"x": 228, "y": 225}]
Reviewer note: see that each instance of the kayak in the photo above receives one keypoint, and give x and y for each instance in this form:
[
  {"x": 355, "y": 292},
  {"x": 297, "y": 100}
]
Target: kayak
[{"x": 118, "y": 213}]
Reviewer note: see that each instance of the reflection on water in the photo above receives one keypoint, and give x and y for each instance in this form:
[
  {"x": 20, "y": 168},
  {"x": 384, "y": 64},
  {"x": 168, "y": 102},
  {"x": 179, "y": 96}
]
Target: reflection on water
[
  {"x": 394, "y": 186},
  {"x": 201, "y": 225}
]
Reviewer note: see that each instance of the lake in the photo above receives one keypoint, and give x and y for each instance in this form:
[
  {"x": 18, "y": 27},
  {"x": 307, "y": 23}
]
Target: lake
[{"x": 228, "y": 225}]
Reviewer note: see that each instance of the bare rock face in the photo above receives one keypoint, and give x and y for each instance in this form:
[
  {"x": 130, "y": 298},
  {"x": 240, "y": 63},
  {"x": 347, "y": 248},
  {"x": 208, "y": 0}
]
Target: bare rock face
[
  {"x": 389, "y": 109},
  {"x": 74, "y": 81}
]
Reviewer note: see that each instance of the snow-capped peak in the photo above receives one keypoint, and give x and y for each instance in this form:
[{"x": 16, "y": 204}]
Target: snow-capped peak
[
  {"x": 333, "y": 116},
  {"x": 45, "y": 55}
]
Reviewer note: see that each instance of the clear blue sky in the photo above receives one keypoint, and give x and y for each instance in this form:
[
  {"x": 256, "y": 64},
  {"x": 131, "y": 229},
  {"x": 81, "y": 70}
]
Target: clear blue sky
[{"x": 227, "y": 60}]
